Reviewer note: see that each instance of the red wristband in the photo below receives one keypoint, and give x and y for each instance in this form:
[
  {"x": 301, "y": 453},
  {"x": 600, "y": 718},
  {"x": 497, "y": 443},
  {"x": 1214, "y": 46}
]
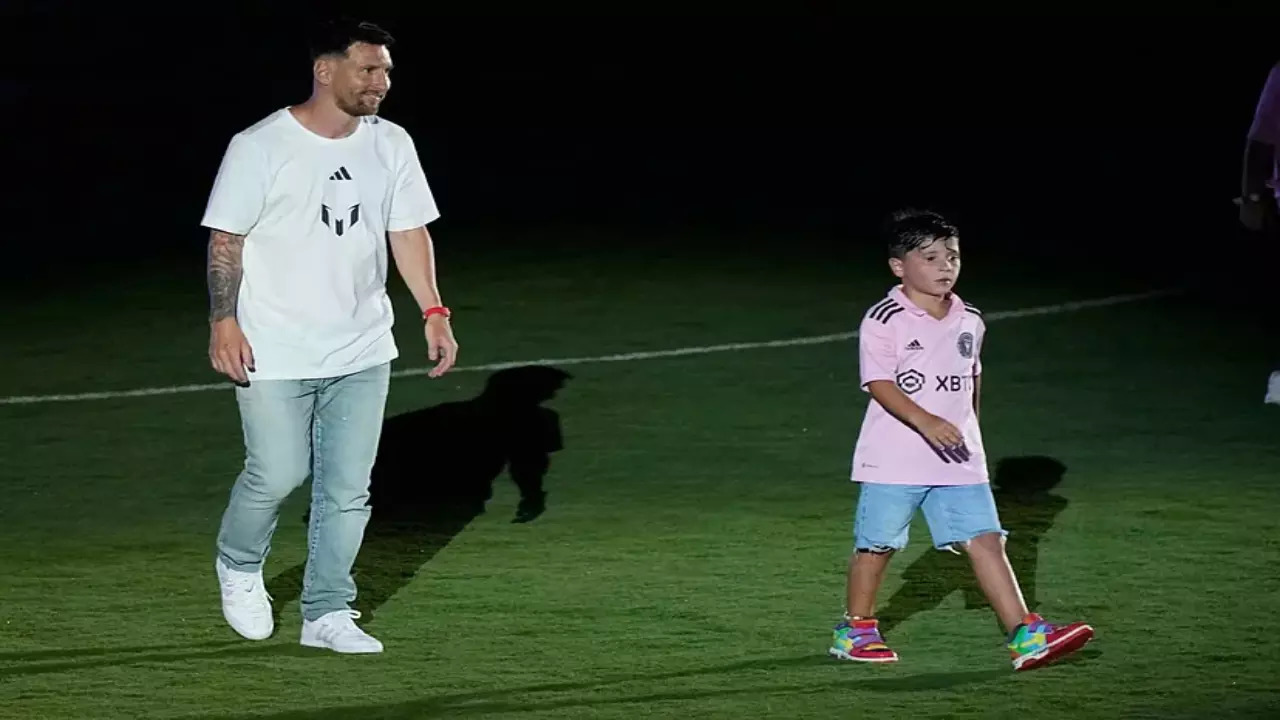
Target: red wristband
[{"x": 437, "y": 310}]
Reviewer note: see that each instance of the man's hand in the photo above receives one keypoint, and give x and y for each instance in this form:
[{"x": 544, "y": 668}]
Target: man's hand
[
  {"x": 441, "y": 347},
  {"x": 229, "y": 351},
  {"x": 1258, "y": 215}
]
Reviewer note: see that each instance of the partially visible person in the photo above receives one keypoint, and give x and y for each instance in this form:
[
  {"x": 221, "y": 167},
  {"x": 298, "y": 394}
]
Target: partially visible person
[{"x": 1260, "y": 190}]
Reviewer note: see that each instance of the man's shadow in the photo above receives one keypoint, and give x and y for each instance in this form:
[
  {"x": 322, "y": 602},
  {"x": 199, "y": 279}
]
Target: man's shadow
[
  {"x": 1022, "y": 488},
  {"x": 435, "y": 472}
]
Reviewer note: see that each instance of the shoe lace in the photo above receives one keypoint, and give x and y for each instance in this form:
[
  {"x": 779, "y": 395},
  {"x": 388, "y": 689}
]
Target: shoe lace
[
  {"x": 866, "y": 635},
  {"x": 245, "y": 588},
  {"x": 1041, "y": 626},
  {"x": 1033, "y": 628},
  {"x": 340, "y": 623}
]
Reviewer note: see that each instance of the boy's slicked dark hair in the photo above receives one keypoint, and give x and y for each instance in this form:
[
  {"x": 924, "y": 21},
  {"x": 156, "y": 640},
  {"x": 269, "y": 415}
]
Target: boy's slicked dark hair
[
  {"x": 334, "y": 37},
  {"x": 908, "y": 229}
]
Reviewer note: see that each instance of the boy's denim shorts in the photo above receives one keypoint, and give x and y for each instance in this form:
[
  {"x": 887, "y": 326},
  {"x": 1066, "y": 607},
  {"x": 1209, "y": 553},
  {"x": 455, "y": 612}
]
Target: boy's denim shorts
[{"x": 955, "y": 514}]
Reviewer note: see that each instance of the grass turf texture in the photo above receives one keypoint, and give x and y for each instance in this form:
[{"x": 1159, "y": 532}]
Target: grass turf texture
[{"x": 691, "y": 560}]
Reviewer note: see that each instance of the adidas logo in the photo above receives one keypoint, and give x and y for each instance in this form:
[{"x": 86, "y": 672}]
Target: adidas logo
[
  {"x": 342, "y": 174},
  {"x": 914, "y": 345}
]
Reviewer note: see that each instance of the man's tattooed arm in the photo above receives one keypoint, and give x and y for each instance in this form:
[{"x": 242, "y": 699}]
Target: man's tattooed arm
[{"x": 224, "y": 273}]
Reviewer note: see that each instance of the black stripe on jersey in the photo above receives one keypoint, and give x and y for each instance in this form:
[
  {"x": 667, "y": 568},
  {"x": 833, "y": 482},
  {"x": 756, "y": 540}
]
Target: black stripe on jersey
[
  {"x": 879, "y": 306},
  {"x": 972, "y": 309},
  {"x": 885, "y": 310}
]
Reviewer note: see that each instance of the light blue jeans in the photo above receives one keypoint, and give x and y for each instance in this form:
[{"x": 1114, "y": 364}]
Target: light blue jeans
[{"x": 326, "y": 430}]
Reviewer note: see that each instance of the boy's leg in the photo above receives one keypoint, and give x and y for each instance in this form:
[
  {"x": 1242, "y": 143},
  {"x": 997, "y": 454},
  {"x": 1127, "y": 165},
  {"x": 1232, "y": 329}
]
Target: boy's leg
[
  {"x": 881, "y": 524},
  {"x": 349, "y": 415},
  {"x": 275, "y": 418},
  {"x": 966, "y": 516},
  {"x": 881, "y": 527}
]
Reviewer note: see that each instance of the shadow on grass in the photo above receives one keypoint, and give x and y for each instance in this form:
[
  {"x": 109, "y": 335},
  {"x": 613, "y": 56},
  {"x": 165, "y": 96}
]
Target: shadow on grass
[
  {"x": 434, "y": 475},
  {"x": 1022, "y": 487},
  {"x": 42, "y": 662},
  {"x": 603, "y": 692},
  {"x": 22, "y": 656}
]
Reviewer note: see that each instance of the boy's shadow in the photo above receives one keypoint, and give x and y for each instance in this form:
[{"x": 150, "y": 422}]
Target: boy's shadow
[
  {"x": 434, "y": 474},
  {"x": 1027, "y": 508}
]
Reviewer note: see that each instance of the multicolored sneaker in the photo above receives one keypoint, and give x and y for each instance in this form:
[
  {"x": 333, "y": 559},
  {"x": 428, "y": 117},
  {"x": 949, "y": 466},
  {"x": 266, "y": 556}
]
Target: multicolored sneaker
[
  {"x": 1036, "y": 643},
  {"x": 860, "y": 641}
]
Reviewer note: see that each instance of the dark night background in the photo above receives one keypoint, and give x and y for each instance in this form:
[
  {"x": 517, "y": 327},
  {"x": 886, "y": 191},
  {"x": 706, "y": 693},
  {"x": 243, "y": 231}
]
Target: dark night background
[
  {"x": 1091, "y": 137},
  {"x": 692, "y": 551}
]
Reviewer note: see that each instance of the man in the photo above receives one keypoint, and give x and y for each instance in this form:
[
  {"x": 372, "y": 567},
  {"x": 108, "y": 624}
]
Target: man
[
  {"x": 1260, "y": 182},
  {"x": 299, "y": 214}
]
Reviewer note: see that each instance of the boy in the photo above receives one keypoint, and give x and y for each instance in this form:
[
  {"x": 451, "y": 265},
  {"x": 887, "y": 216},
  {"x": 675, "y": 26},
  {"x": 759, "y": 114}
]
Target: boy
[{"x": 920, "y": 447}]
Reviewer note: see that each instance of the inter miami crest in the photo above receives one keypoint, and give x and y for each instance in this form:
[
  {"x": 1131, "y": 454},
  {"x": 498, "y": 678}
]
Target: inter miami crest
[
  {"x": 340, "y": 210},
  {"x": 964, "y": 344}
]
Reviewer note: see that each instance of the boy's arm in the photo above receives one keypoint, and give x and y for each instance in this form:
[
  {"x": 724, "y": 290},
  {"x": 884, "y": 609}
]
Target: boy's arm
[
  {"x": 940, "y": 433},
  {"x": 878, "y": 363},
  {"x": 896, "y": 402}
]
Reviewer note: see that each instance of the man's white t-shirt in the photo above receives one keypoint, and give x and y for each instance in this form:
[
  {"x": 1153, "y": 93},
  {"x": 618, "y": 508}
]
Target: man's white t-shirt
[{"x": 314, "y": 212}]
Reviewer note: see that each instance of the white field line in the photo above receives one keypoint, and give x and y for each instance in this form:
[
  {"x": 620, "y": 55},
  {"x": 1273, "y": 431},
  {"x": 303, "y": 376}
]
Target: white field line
[{"x": 1055, "y": 309}]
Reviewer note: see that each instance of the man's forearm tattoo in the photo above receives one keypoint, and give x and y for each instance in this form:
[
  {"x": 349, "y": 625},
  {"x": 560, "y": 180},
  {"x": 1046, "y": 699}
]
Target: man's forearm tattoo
[{"x": 224, "y": 272}]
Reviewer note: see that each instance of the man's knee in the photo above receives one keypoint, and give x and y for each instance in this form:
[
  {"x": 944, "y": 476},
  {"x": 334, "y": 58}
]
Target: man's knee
[
  {"x": 347, "y": 499},
  {"x": 274, "y": 478},
  {"x": 344, "y": 486},
  {"x": 275, "y": 418}
]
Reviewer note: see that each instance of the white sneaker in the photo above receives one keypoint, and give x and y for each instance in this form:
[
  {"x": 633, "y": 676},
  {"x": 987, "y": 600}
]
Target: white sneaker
[
  {"x": 245, "y": 602},
  {"x": 1273, "y": 389},
  {"x": 337, "y": 631}
]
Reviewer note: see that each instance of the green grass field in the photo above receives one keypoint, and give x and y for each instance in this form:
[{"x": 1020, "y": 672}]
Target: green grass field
[{"x": 691, "y": 559}]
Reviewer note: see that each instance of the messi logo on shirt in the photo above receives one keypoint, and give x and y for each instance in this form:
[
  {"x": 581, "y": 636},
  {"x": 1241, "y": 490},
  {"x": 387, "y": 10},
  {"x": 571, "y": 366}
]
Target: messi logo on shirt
[
  {"x": 340, "y": 225},
  {"x": 339, "y": 194}
]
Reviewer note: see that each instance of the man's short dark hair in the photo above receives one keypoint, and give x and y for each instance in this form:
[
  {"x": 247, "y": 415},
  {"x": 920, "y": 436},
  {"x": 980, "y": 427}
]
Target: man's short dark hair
[
  {"x": 909, "y": 229},
  {"x": 334, "y": 37}
]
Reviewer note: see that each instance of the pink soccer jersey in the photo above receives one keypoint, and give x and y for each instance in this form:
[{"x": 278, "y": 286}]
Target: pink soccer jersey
[
  {"x": 1266, "y": 122},
  {"x": 934, "y": 362}
]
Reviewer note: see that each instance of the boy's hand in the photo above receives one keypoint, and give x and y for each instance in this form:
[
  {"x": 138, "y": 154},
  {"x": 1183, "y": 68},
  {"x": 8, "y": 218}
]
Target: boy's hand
[
  {"x": 945, "y": 439},
  {"x": 940, "y": 433}
]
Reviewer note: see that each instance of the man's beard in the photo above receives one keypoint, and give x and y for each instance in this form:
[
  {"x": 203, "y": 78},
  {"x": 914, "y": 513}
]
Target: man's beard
[{"x": 358, "y": 108}]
